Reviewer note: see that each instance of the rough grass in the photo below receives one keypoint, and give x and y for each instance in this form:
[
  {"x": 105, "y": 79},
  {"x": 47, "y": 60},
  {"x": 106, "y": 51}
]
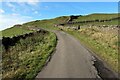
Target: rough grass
[
  {"x": 103, "y": 44},
  {"x": 25, "y": 59}
]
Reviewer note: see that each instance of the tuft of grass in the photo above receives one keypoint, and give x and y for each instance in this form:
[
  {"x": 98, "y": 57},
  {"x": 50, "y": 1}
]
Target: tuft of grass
[{"x": 28, "y": 56}]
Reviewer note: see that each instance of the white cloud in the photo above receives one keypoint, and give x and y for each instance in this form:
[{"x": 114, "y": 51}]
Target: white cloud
[
  {"x": 7, "y": 21},
  {"x": 1, "y": 11}
]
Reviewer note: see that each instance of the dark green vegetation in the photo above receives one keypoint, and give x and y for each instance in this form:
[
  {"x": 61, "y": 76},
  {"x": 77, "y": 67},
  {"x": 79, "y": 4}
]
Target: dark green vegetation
[{"x": 27, "y": 57}]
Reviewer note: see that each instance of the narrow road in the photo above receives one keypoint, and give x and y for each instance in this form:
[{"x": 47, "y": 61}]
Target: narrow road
[{"x": 71, "y": 60}]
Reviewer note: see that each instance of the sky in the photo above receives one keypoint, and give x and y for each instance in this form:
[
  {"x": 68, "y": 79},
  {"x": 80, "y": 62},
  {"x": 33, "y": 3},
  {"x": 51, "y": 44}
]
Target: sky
[{"x": 12, "y": 13}]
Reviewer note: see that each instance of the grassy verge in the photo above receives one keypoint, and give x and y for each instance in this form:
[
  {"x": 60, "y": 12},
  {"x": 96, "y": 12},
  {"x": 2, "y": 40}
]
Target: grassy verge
[
  {"x": 106, "y": 53},
  {"x": 25, "y": 59}
]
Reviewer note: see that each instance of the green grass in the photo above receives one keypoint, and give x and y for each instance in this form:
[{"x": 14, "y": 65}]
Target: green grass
[
  {"x": 14, "y": 31},
  {"x": 96, "y": 16},
  {"x": 45, "y": 24},
  {"x": 48, "y": 24},
  {"x": 113, "y": 22},
  {"x": 25, "y": 59},
  {"x": 108, "y": 54}
]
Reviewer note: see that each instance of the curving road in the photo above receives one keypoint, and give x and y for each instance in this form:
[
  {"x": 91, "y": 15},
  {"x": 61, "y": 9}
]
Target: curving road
[{"x": 71, "y": 60}]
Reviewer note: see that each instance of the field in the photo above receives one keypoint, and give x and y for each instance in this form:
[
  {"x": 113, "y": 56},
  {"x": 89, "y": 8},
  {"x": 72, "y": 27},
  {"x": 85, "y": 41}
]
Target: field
[
  {"x": 109, "y": 19},
  {"x": 27, "y": 57},
  {"x": 14, "y": 31},
  {"x": 96, "y": 16},
  {"x": 48, "y": 24}
]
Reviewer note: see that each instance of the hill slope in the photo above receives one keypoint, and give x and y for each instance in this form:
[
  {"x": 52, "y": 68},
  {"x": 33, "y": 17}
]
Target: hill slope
[
  {"x": 101, "y": 39},
  {"x": 50, "y": 23}
]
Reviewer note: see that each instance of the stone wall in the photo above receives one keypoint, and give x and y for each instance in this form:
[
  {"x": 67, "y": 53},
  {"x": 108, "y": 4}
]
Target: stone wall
[
  {"x": 89, "y": 21},
  {"x": 7, "y": 41}
]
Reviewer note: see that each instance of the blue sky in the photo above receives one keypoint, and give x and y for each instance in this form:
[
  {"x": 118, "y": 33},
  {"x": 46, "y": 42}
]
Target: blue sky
[{"x": 13, "y": 13}]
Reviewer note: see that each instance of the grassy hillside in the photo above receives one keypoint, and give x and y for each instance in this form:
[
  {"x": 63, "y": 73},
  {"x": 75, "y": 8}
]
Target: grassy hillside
[
  {"x": 103, "y": 40},
  {"x": 27, "y": 57},
  {"x": 114, "y": 22},
  {"x": 93, "y": 17},
  {"x": 96, "y": 16},
  {"x": 14, "y": 31},
  {"x": 48, "y": 24}
]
